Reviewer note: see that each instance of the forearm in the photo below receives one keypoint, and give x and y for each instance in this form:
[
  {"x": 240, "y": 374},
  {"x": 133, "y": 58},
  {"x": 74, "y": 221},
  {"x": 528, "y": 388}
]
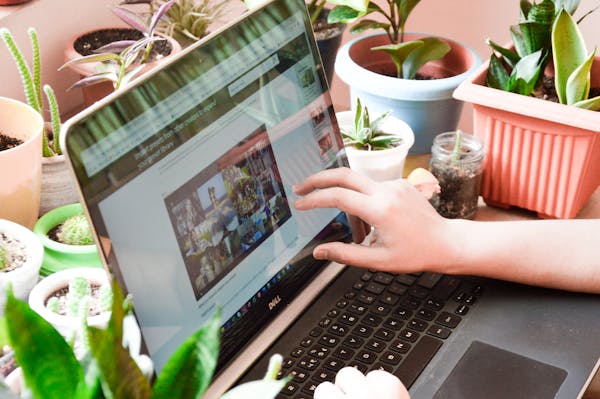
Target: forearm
[{"x": 562, "y": 254}]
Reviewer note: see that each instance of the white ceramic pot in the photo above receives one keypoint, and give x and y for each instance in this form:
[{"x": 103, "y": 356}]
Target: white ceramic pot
[
  {"x": 380, "y": 165},
  {"x": 22, "y": 278},
  {"x": 65, "y": 325}
]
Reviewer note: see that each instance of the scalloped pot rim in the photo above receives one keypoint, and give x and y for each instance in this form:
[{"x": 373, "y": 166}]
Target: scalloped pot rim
[{"x": 402, "y": 89}]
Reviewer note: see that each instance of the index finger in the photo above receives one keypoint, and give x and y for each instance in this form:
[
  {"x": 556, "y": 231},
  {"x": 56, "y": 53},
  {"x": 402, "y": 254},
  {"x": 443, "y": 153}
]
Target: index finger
[{"x": 338, "y": 177}]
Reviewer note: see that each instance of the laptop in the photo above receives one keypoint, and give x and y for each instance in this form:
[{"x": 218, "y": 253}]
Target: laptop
[{"x": 186, "y": 176}]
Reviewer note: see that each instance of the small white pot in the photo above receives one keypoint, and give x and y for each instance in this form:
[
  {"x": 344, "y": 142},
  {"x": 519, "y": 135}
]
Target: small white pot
[
  {"x": 65, "y": 325},
  {"x": 380, "y": 165},
  {"x": 23, "y": 278}
]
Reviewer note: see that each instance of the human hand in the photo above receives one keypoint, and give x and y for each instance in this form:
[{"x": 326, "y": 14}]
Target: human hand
[
  {"x": 408, "y": 234},
  {"x": 352, "y": 384}
]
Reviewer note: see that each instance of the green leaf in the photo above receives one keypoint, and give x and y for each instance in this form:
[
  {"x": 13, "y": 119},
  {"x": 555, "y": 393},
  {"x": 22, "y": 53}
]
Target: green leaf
[
  {"x": 497, "y": 76},
  {"x": 526, "y": 73},
  {"x": 358, "y": 5},
  {"x": 48, "y": 363},
  {"x": 89, "y": 387},
  {"x": 263, "y": 389},
  {"x": 510, "y": 56},
  {"x": 3, "y": 331},
  {"x": 529, "y": 37},
  {"x": 343, "y": 14},
  {"x": 578, "y": 84},
  {"x": 405, "y": 7},
  {"x": 365, "y": 24},
  {"x": 569, "y": 5},
  {"x": 431, "y": 50},
  {"x": 568, "y": 51},
  {"x": 525, "y": 7},
  {"x": 376, "y": 124},
  {"x": 120, "y": 375},
  {"x": 542, "y": 13},
  {"x": 189, "y": 371},
  {"x": 91, "y": 58},
  {"x": 399, "y": 52},
  {"x": 592, "y": 104}
]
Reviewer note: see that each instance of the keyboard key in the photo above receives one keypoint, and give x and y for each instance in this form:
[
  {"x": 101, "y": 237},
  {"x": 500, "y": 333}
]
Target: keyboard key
[
  {"x": 470, "y": 300},
  {"x": 418, "y": 292},
  {"x": 403, "y": 313},
  {"x": 308, "y": 363},
  {"x": 425, "y": 314},
  {"x": 400, "y": 346},
  {"x": 393, "y": 324},
  {"x": 410, "y": 302},
  {"x": 417, "y": 324},
  {"x": 383, "y": 366},
  {"x": 319, "y": 352},
  {"x": 366, "y": 276},
  {"x": 397, "y": 289},
  {"x": 324, "y": 375},
  {"x": 357, "y": 308},
  {"x": 439, "y": 331},
  {"x": 325, "y": 322},
  {"x": 358, "y": 285},
  {"x": 445, "y": 287},
  {"x": 290, "y": 389},
  {"x": 315, "y": 332},
  {"x": 406, "y": 279},
  {"x": 384, "y": 334},
  {"x": 287, "y": 363},
  {"x": 381, "y": 310},
  {"x": 372, "y": 320},
  {"x": 339, "y": 329},
  {"x": 348, "y": 319},
  {"x": 375, "y": 288},
  {"x": 298, "y": 352},
  {"x": 363, "y": 368},
  {"x": 363, "y": 331},
  {"x": 448, "y": 319},
  {"x": 329, "y": 340},
  {"x": 375, "y": 345},
  {"x": 334, "y": 364},
  {"x": 310, "y": 388},
  {"x": 342, "y": 303},
  {"x": 460, "y": 297},
  {"x": 478, "y": 290},
  {"x": 350, "y": 295},
  {"x": 389, "y": 299},
  {"x": 408, "y": 335},
  {"x": 429, "y": 280},
  {"x": 366, "y": 298},
  {"x": 416, "y": 361},
  {"x": 462, "y": 310},
  {"x": 383, "y": 278},
  {"x": 366, "y": 357},
  {"x": 298, "y": 375},
  {"x": 306, "y": 342},
  {"x": 343, "y": 353},
  {"x": 434, "y": 304},
  {"x": 353, "y": 341},
  {"x": 390, "y": 357},
  {"x": 333, "y": 313}
]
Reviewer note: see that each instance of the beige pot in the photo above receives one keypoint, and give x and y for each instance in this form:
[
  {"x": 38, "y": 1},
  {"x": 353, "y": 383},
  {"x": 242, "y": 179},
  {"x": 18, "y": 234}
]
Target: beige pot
[
  {"x": 20, "y": 167},
  {"x": 58, "y": 185}
]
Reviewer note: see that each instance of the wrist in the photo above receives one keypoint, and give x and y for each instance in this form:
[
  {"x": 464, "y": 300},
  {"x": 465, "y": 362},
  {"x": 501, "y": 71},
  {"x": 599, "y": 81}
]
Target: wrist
[{"x": 458, "y": 252}]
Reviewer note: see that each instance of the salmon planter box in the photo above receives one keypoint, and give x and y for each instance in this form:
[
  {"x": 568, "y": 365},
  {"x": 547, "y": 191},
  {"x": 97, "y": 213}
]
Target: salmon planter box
[{"x": 542, "y": 156}]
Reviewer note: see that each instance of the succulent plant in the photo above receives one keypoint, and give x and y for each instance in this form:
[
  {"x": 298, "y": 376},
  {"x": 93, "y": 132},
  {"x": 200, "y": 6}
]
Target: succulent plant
[
  {"x": 76, "y": 230},
  {"x": 408, "y": 56},
  {"x": 367, "y": 134},
  {"x": 31, "y": 79}
]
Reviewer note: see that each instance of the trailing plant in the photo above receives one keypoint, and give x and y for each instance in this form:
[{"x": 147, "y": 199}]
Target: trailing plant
[
  {"x": 547, "y": 32},
  {"x": 367, "y": 134},
  {"x": 121, "y": 61},
  {"x": 109, "y": 370},
  {"x": 75, "y": 230},
  {"x": 408, "y": 56},
  {"x": 186, "y": 20},
  {"x": 31, "y": 79}
]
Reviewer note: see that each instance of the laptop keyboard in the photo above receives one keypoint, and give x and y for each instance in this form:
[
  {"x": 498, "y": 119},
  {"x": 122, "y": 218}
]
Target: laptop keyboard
[{"x": 392, "y": 322}]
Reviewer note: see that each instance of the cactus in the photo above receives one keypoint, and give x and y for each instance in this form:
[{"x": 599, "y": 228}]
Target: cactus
[
  {"x": 76, "y": 231},
  {"x": 52, "y": 304},
  {"x": 3, "y": 258},
  {"x": 79, "y": 290},
  {"x": 105, "y": 298}
]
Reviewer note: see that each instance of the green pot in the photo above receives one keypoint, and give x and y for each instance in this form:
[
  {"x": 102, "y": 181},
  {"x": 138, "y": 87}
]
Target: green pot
[{"x": 59, "y": 256}]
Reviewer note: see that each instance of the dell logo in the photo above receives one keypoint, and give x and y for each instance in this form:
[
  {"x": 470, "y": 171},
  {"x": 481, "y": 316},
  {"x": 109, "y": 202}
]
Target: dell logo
[{"x": 274, "y": 302}]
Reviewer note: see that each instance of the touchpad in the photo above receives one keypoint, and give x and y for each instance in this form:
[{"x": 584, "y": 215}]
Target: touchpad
[{"x": 486, "y": 371}]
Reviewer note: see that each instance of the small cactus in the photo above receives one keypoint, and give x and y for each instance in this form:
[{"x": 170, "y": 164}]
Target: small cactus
[
  {"x": 76, "y": 231},
  {"x": 3, "y": 257},
  {"x": 53, "y": 304},
  {"x": 79, "y": 289},
  {"x": 105, "y": 295}
]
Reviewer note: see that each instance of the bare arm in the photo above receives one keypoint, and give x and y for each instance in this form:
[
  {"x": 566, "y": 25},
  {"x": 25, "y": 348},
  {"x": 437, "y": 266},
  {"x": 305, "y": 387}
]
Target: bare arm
[{"x": 410, "y": 236}]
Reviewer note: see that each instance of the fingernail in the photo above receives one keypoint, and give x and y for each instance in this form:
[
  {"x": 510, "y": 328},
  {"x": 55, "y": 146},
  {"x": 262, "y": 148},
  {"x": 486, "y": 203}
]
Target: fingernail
[
  {"x": 320, "y": 253},
  {"x": 295, "y": 188}
]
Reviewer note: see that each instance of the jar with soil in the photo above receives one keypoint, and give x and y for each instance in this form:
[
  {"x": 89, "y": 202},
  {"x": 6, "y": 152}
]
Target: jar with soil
[{"x": 457, "y": 162}]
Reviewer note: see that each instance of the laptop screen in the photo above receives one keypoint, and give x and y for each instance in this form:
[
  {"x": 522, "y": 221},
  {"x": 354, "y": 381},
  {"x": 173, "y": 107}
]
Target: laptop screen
[{"x": 187, "y": 176}]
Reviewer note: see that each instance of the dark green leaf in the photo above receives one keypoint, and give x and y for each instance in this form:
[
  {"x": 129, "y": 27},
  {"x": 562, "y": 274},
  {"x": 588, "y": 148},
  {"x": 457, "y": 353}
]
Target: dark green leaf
[
  {"x": 49, "y": 365},
  {"x": 120, "y": 375},
  {"x": 536, "y": 36},
  {"x": 542, "y": 13},
  {"x": 431, "y": 50},
  {"x": 399, "y": 52},
  {"x": 343, "y": 14},
  {"x": 568, "y": 52},
  {"x": 525, "y": 75},
  {"x": 524, "y": 7},
  {"x": 510, "y": 56},
  {"x": 497, "y": 76},
  {"x": 405, "y": 7},
  {"x": 189, "y": 371}
]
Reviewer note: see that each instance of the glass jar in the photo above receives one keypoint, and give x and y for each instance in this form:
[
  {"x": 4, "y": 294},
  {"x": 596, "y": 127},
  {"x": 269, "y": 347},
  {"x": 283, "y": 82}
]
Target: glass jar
[{"x": 459, "y": 173}]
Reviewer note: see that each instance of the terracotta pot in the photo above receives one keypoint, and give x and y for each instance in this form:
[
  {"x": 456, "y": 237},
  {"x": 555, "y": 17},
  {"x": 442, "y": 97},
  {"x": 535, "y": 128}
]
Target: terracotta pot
[
  {"x": 95, "y": 92},
  {"x": 58, "y": 185},
  {"x": 21, "y": 166},
  {"x": 12, "y": 2},
  {"x": 542, "y": 156},
  {"x": 380, "y": 165},
  {"x": 426, "y": 105}
]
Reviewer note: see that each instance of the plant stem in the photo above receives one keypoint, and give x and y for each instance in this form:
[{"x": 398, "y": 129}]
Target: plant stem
[{"x": 457, "y": 147}]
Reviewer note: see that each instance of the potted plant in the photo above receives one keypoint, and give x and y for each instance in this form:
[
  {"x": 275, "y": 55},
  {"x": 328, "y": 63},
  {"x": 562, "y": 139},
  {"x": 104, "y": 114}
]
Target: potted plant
[
  {"x": 107, "y": 59},
  {"x": 541, "y": 155},
  {"x": 20, "y": 259},
  {"x": 51, "y": 370},
  {"x": 67, "y": 238},
  {"x": 20, "y": 162},
  {"x": 381, "y": 68},
  {"x": 57, "y": 185},
  {"x": 376, "y": 147}
]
